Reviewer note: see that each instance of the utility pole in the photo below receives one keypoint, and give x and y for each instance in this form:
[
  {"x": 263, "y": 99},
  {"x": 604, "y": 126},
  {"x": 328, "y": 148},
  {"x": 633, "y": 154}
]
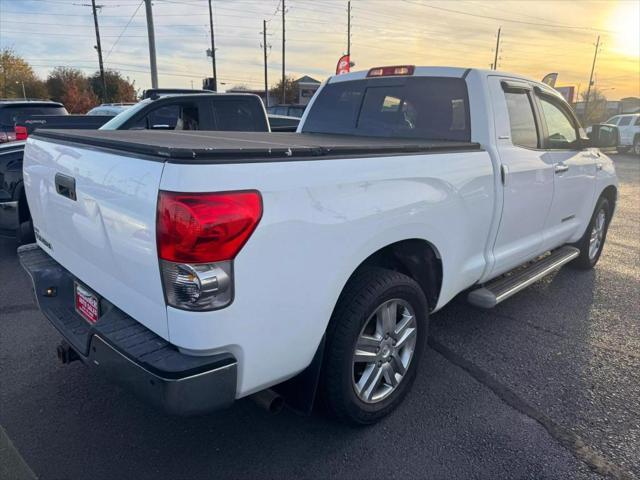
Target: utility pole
[
  {"x": 213, "y": 50},
  {"x": 349, "y": 29},
  {"x": 152, "y": 45},
  {"x": 495, "y": 58},
  {"x": 283, "y": 40},
  {"x": 593, "y": 66},
  {"x": 99, "y": 49},
  {"x": 264, "y": 51}
]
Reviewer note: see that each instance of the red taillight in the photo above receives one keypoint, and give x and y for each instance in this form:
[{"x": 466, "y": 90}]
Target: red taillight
[
  {"x": 21, "y": 132},
  {"x": 391, "y": 71},
  {"x": 205, "y": 227}
]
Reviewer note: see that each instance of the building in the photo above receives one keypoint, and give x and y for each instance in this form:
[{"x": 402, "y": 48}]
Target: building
[{"x": 307, "y": 87}]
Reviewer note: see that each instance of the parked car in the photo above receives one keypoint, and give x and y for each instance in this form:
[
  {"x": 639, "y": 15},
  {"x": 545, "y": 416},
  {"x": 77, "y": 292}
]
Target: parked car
[
  {"x": 629, "y": 128},
  {"x": 13, "y": 203},
  {"x": 110, "y": 109},
  {"x": 287, "y": 110},
  {"x": 196, "y": 268},
  {"x": 11, "y": 109},
  {"x": 208, "y": 111}
]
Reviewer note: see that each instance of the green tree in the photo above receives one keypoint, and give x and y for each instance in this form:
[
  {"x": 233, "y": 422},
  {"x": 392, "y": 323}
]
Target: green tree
[
  {"x": 16, "y": 72},
  {"x": 290, "y": 88},
  {"x": 71, "y": 87},
  {"x": 119, "y": 88}
]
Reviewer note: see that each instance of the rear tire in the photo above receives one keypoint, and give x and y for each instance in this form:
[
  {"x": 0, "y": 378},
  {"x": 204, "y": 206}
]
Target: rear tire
[
  {"x": 384, "y": 313},
  {"x": 622, "y": 150},
  {"x": 592, "y": 241},
  {"x": 636, "y": 145}
]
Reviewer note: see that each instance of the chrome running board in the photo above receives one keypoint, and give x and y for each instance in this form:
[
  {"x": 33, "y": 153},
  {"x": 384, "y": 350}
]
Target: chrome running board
[{"x": 495, "y": 291}]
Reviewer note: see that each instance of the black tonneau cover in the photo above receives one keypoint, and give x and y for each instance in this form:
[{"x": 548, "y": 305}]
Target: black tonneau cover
[{"x": 214, "y": 147}]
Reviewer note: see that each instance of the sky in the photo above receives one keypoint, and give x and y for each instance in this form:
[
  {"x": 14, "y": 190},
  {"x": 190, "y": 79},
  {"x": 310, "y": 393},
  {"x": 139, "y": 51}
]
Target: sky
[{"x": 537, "y": 37}]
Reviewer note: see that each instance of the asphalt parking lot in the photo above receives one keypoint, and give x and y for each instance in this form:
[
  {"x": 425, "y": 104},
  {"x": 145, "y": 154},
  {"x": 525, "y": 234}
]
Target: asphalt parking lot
[{"x": 547, "y": 385}]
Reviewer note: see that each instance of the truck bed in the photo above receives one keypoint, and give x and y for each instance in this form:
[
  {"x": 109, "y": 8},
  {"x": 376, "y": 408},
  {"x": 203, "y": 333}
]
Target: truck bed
[{"x": 233, "y": 147}]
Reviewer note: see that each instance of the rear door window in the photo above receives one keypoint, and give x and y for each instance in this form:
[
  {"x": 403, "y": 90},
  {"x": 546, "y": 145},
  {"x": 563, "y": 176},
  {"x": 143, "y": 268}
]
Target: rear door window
[
  {"x": 624, "y": 121},
  {"x": 239, "y": 115},
  {"x": 524, "y": 132},
  {"x": 432, "y": 108}
]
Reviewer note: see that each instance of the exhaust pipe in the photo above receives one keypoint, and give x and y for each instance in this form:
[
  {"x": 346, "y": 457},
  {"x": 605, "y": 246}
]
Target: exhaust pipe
[
  {"x": 269, "y": 400},
  {"x": 66, "y": 354}
]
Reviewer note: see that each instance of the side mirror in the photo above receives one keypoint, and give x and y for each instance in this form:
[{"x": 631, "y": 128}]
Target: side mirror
[{"x": 604, "y": 136}]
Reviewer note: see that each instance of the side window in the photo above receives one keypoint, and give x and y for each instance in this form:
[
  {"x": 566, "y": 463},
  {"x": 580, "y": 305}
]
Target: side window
[
  {"x": 561, "y": 132},
  {"x": 624, "y": 121},
  {"x": 523, "y": 124},
  {"x": 184, "y": 116},
  {"x": 637, "y": 121},
  {"x": 612, "y": 121},
  {"x": 239, "y": 116}
]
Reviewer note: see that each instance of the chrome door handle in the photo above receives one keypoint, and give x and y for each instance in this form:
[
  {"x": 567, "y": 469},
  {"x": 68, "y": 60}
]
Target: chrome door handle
[
  {"x": 599, "y": 166},
  {"x": 561, "y": 168}
]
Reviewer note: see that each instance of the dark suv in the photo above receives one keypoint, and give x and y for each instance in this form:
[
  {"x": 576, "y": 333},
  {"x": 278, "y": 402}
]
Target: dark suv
[{"x": 11, "y": 109}]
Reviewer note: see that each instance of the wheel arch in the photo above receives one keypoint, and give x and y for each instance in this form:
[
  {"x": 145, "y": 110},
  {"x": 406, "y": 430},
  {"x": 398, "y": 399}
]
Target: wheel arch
[
  {"x": 415, "y": 257},
  {"x": 611, "y": 194}
]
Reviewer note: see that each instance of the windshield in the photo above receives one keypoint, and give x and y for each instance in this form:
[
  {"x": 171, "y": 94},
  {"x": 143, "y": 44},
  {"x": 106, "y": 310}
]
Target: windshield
[
  {"x": 431, "y": 108},
  {"x": 116, "y": 122},
  {"x": 9, "y": 113}
]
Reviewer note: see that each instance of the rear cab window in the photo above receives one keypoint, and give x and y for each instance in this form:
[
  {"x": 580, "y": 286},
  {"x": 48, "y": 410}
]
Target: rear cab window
[{"x": 430, "y": 108}]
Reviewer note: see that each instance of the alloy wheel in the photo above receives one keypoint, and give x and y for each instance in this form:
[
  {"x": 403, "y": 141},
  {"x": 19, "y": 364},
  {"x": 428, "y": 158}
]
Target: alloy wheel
[{"x": 384, "y": 350}]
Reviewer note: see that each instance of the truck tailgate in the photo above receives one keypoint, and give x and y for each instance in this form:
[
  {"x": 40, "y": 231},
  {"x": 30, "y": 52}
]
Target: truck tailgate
[{"x": 94, "y": 212}]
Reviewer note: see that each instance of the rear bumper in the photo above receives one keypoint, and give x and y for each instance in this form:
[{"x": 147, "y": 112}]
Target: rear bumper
[{"x": 127, "y": 352}]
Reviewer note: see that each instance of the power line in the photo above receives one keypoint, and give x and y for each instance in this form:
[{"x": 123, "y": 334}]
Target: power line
[
  {"x": 284, "y": 10},
  {"x": 501, "y": 19},
  {"x": 213, "y": 50},
  {"x": 152, "y": 44},
  {"x": 494, "y": 66},
  {"x": 124, "y": 29},
  {"x": 99, "y": 49},
  {"x": 593, "y": 66}
]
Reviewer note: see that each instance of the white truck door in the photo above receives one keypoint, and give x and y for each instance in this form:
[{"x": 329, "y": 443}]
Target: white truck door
[
  {"x": 527, "y": 174},
  {"x": 574, "y": 173}
]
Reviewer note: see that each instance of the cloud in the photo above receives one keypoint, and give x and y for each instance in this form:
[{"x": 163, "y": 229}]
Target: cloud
[{"x": 458, "y": 33}]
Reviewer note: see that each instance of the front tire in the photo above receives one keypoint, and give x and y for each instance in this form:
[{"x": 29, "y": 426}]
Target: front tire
[
  {"x": 592, "y": 242},
  {"x": 375, "y": 341},
  {"x": 636, "y": 145}
]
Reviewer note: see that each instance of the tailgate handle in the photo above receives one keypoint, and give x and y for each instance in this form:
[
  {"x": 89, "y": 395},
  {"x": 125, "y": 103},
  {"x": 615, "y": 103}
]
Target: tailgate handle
[{"x": 66, "y": 186}]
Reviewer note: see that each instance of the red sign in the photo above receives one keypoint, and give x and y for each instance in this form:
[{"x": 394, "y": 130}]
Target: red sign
[
  {"x": 344, "y": 65},
  {"x": 87, "y": 304}
]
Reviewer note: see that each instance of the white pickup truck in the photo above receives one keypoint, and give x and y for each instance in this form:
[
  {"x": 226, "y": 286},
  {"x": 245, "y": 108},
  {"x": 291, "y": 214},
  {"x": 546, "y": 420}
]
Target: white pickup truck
[{"x": 197, "y": 268}]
